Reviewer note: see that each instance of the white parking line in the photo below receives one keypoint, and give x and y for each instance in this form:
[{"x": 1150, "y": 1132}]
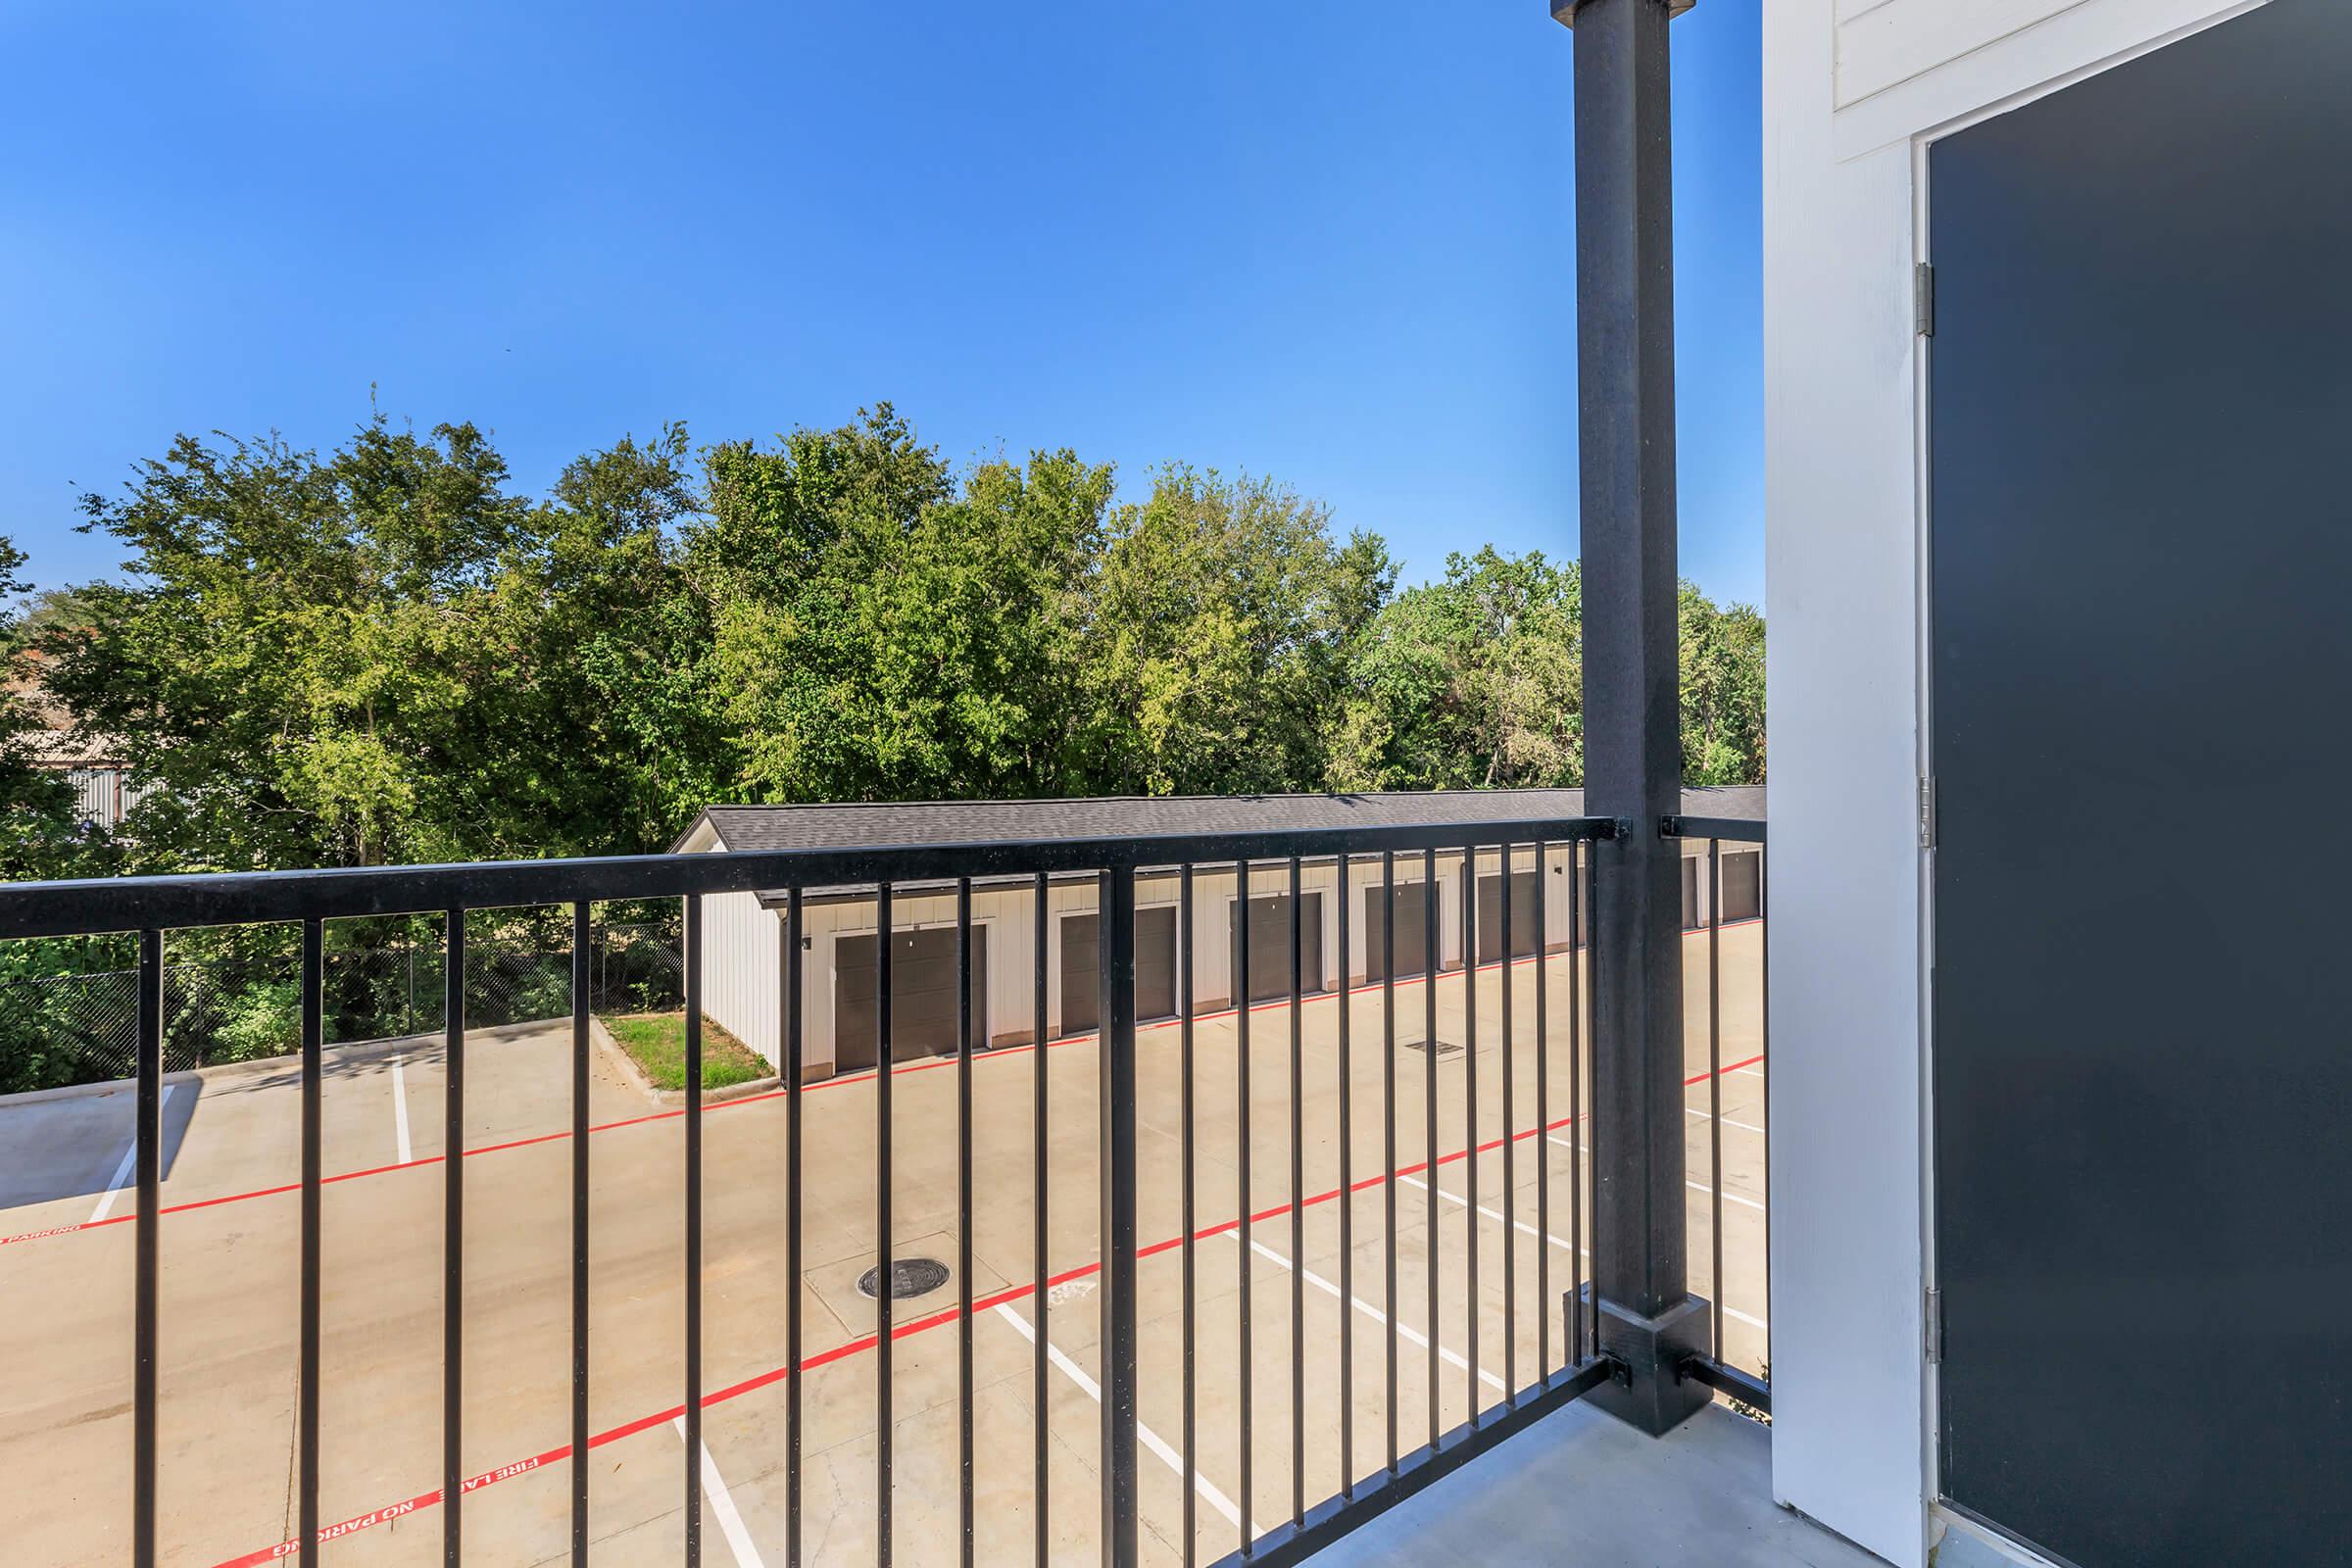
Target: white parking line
[
  {"x": 1728, "y": 1121},
  {"x": 130, "y": 1157},
  {"x": 1729, "y": 1311},
  {"x": 1144, "y": 1435},
  {"x": 1517, "y": 1224},
  {"x": 722, "y": 1506},
  {"x": 1405, "y": 1330},
  {"x": 1729, "y": 1196},
  {"x": 400, "y": 1111}
]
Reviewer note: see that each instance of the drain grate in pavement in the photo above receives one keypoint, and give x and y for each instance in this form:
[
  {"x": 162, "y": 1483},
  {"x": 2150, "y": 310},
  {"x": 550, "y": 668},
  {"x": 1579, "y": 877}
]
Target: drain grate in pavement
[
  {"x": 1445, "y": 1047},
  {"x": 909, "y": 1277}
]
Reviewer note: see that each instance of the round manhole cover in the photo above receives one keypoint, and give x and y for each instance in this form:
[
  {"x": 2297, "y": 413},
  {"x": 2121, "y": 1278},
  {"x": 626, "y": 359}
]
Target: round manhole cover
[{"x": 909, "y": 1277}]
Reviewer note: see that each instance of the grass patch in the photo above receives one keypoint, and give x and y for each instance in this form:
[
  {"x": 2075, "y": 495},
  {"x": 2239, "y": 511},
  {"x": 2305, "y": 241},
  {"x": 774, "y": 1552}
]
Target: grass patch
[{"x": 656, "y": 1043}]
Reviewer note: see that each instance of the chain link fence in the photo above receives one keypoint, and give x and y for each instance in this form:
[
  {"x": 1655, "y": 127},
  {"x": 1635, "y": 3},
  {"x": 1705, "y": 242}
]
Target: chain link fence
[{"x": 82, "y": 1027}]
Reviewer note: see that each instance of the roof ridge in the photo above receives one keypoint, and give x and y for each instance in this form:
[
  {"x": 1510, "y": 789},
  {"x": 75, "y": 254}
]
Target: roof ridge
[{"x": 1152, "y": 800}]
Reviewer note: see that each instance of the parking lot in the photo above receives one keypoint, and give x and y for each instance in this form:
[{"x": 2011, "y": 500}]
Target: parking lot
[{"x": 229, "y": 1293}]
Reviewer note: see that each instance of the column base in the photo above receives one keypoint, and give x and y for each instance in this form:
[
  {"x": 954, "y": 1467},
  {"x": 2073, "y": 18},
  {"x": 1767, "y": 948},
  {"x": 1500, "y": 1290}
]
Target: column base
[{"x": 1647, "y": 1353}]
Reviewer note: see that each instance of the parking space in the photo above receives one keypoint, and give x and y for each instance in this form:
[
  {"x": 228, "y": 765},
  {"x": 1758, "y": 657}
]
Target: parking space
[{"x": 231, "y": 1290}]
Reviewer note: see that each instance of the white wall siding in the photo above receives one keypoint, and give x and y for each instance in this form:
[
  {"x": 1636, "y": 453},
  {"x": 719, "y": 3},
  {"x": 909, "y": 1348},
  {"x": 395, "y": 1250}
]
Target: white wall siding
[{"x": 742, "y": 985}]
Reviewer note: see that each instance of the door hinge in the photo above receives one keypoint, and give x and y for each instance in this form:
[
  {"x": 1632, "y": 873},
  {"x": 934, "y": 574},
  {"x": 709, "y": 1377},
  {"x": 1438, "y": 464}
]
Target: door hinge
[
  {"x": 1922, "y": 300},
  {"x": 1926, "y": 813},
  {"x": 1935, "y": 1326}
]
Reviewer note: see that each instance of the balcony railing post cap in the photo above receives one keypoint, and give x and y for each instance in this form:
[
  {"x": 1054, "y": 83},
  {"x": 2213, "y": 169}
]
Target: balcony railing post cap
[{"x": 1564, "y": 12}]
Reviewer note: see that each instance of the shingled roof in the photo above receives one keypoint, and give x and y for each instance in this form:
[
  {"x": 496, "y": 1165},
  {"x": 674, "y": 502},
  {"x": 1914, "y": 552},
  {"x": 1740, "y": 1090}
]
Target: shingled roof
[{"x": 848, "y": 826}]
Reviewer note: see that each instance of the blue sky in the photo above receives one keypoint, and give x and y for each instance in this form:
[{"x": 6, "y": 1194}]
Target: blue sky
[{"x": 1332, "y": 243}]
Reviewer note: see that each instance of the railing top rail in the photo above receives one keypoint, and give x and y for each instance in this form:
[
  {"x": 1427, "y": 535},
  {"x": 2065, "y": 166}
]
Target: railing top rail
[
  {"x": 1736, "y": 829},
  {"x": 171, "y": 902}
]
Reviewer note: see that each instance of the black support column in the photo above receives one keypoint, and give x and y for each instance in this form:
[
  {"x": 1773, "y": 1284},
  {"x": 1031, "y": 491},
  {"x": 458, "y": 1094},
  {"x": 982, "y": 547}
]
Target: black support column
[{"x": 1650, "y": 1322}]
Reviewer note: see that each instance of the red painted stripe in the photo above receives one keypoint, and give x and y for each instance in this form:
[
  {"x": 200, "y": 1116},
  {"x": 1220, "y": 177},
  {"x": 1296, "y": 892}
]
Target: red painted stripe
[
  {"x": 867, "y": 1341},
  {"x": 839, "y": 1081}
]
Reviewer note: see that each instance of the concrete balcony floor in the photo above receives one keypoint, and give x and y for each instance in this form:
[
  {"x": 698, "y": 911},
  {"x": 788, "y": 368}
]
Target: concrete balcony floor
[{"x": 1581, "y": 1487}]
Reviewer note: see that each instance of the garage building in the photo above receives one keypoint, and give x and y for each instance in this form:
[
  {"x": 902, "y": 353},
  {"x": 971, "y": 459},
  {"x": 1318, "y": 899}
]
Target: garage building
[{"x": 744, "y": 933}]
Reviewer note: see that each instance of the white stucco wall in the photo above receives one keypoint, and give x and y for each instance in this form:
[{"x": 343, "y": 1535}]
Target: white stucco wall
[{"x": 1854, "y": 90}]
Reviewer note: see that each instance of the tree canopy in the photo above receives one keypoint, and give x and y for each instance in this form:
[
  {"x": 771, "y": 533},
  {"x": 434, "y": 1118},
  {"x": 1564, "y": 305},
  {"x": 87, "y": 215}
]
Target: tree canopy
[{"x": 386, "y": 653}]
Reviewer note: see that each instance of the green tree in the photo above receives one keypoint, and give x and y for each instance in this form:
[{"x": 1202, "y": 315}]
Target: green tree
[
  {"x": 1226, "y": 621},
  {"x": 881, "y": 632},
  {"x": 1721, "y": 651},
  {"x": 380, "y": 655},
  {"x": 1477, "y": 682},
  {"x": 1472, "y": 682},
  {"x": 37, "y": 806}
]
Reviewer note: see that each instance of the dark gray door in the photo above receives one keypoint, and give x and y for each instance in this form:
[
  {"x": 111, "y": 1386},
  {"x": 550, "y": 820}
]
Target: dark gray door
[
  {"x": 1270, "y": 945},
  {"x": 1082, "y": 968},
  {"x": 1409, "y": 906},
  {"x": 2141, "y": 389},
  {"x": 922, "y": 996},
  {"x": 1490, "y": 916}
]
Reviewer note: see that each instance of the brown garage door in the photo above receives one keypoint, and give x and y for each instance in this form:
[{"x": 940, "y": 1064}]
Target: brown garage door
[
  {"x": 1082, "y": 973},
  {"x": 922, "y": 996},
  {"x": 1270, "y": 945},
  {"x": 1523, "y": 916},
  {"x": 1410, "y": 906},
  {"x": 1742, "y": 885}
]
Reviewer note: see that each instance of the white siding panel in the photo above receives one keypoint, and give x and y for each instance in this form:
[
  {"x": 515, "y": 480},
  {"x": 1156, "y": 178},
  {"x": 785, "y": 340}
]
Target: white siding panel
[
  {"x": 742, "y": 987},
  {"x": 1897, "y": 41}
]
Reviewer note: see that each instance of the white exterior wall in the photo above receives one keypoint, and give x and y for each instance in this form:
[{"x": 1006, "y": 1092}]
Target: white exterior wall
[
  {"x": 1855, "y": 91},
  {"x": 742, "y": 983}
]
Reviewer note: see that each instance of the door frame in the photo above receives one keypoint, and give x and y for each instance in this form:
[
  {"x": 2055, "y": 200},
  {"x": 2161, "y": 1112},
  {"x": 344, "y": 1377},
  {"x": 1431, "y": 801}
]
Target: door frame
[{"x": 1924, "y": 728}]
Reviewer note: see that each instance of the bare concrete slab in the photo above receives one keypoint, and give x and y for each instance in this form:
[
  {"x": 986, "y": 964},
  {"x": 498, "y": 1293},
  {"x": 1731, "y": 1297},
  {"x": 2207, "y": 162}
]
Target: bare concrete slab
[{"x": 1584, "y": 1488}]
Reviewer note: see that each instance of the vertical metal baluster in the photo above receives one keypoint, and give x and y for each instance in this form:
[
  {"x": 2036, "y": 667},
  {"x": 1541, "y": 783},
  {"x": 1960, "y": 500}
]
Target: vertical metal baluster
[
  {"x": 1347, "y": 1208},
  {"x": 1431, "y": 909},
  {"x": 1576, "y": 1105},
  {"x": 453, "y": 1236},
  {"x": 1715, "y": 1074},
  {"x": 1591, "y": 1151},
  {"x": 964, "y": 1211},
  {"x": 694, "y": 1230},
  {"x": 582, "y": 946},
  {"x": 1240, "y": 1029},
  {"x": 148, "y": 1137},
  {"x": 1298, "y": 1204},
  {"x": 314, "y": 1038},
  {"x": 883, "y": 1304},
  {"x": 1470, "y": 1300},
  {"x": 1542, "y": 1123},
  {"x": 1184, "y": 1111},
  {"x": 1116, "y": 1119},
  {"x": 793, "y": 1081},
  {"x": 1511, "y": 1140},
  {"x": 1040, "y": 1542},
  {"x": 1388, "y": 1123}
]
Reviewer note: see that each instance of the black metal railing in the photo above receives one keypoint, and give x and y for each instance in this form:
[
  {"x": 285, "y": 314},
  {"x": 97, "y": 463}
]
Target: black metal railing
[
  {"x": 1537, "y": 977},
  {"x": 1743, "y": 1384}
]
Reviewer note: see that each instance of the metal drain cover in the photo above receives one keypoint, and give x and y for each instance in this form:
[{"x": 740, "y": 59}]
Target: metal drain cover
[
  {"x": 909, "y": 1277},
  {"x": 1445, "y": 1047}
]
